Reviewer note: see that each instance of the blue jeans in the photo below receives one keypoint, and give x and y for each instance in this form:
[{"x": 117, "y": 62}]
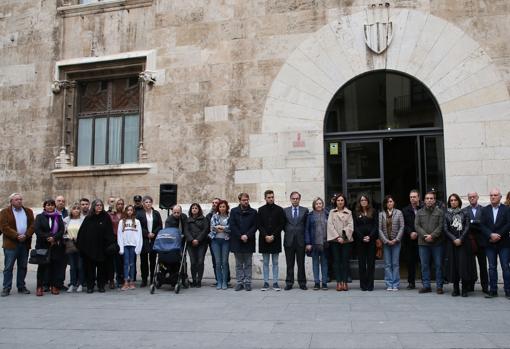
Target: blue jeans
[
  {"x": 221, "y": 248},
  {"x": 129, "y": 263},
  {"x": 265, "y": 266},
  {"x": 20, "y": 256},
  {"x": 319, "y": 258},
  {"x": 76, "y": 270},
  {"x": 436, "y": 254},
  {"x": 392, "y": 265},
  {"x": 492, "y": 253}
]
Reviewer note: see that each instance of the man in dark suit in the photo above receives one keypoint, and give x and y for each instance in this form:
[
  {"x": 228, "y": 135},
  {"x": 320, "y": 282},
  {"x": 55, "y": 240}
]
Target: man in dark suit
[
  {"x": 474, "y": 212},
  {"x": 151, "y": 223},
  {"x": 294, "y": 241},
  {"x": 495, "y": 226},
  {"x": 410, "y": 240}
]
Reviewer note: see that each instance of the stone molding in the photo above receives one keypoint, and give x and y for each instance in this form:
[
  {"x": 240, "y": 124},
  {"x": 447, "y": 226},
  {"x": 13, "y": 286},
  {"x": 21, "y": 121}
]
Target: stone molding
[
  {"x": 104, "y": 170},
  {"x": 465, "y": 82},
  {"x": 100, "y": 7}
]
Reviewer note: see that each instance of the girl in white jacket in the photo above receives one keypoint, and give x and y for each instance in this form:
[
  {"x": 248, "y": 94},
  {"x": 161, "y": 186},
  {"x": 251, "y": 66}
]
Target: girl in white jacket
[{"x": 129, "y": 238}]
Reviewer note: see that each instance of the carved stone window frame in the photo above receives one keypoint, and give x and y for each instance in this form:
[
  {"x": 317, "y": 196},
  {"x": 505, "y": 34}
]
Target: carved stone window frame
[
  {"x": 70, "y": 8},
  {"x": 68, "y": 72}
]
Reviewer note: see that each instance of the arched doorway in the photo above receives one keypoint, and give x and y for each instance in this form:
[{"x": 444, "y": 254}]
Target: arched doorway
[{"x": 383, "y": 134}]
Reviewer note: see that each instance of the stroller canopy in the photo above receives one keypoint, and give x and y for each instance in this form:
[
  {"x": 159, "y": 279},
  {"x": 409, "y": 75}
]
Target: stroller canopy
[{"x": 168, "y": 239}]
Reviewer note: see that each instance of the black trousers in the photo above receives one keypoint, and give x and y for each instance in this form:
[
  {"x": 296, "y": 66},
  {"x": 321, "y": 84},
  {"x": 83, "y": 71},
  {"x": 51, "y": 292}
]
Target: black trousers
[
  {"x": 148, "y": 260},
  {"x": 366, "y": 264},
  {"x": 411, "y": 259},
  {"x": 341, "y": 254},
  {"x": 482, "y": 263},
  {"x": 196, "y": 257},
  {"x": 49, "y": 274},
  {"x": 95, "y": 272},
  {"x": 295, "y": 255}
]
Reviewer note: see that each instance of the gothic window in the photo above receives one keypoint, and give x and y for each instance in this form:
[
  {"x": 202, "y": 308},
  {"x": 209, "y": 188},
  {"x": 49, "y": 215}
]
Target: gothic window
[{"x": 108, "y": 119}]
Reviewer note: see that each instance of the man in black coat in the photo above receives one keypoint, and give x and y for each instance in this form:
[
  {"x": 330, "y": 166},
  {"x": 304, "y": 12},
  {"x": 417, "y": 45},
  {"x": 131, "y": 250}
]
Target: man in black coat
[
  {"x": 243, "y": 225},
  {"x": 410, "y": 239},
  {"x": 476, "y": 237},
  {"x": 294, "y": 241},
  {"x": 495, "y": 226},
  {"x": 151, "y": 223},
  {"x": 271, "y": 220}
]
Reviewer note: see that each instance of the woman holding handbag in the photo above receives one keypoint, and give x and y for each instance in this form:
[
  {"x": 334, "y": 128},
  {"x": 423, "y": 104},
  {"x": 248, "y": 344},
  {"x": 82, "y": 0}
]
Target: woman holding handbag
[
  {"x": 49, "y": 229},
  {"x": 315, "y": 241},
  {"x": 340, "y": 228},
  {"x": 72, "y": 225}
]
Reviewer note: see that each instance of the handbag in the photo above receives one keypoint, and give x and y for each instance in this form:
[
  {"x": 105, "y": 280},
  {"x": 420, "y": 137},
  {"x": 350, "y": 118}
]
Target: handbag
[
  {"x": 70, "y": 246},
  {"x": 113, "y": 249},
  {"x": 39, "y": 256}
]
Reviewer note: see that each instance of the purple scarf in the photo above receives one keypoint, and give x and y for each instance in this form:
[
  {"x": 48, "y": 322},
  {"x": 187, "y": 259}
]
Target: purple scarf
[{"x": 54, "y": 221}]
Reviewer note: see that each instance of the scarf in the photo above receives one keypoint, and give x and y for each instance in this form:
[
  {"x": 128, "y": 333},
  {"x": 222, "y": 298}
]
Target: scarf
[
  {"x": 456, "y": 218},
  {"x": 54, "y": 221},
  {"x": 320, "y": 228}
]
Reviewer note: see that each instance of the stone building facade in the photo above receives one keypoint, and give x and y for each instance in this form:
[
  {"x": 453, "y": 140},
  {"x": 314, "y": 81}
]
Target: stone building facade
[{"x": 232, "y": 94}]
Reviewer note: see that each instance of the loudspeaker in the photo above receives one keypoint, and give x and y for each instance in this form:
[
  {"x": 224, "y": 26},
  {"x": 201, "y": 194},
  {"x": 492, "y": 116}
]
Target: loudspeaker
[{"x": 167, "y": 195}]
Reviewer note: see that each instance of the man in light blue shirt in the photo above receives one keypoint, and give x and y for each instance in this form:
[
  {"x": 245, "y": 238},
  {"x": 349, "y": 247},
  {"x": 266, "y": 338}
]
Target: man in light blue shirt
[{"x": 17, "y": 226}]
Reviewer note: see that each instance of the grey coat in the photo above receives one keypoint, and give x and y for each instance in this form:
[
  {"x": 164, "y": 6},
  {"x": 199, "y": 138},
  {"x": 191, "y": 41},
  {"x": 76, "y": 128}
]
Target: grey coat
[
  {"x": 295, "y": 227},
  {"x": 397, "y": 226}
]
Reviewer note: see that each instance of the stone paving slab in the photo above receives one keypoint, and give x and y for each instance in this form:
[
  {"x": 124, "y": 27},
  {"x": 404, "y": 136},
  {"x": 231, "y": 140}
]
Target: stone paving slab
[{"x": 207, "y": 318}]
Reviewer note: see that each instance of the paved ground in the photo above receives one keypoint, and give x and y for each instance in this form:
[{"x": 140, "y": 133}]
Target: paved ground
[{"x": 206, "y": 318}]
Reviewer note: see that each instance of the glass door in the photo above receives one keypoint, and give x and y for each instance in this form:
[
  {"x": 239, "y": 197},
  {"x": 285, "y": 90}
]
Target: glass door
[
  {"x": 433, "y": 166},
  {"x": 362, "y": 170}
]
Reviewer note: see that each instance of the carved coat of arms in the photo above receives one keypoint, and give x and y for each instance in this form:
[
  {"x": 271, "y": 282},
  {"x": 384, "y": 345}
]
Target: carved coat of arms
[{"x": 379, "y": 28}]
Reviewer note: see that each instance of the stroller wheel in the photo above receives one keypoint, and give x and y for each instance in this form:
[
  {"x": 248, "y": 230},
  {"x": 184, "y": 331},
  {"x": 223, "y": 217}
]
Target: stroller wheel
[
  {"x": 153, "y": 288},
  {"x": 177, "y": 288}
]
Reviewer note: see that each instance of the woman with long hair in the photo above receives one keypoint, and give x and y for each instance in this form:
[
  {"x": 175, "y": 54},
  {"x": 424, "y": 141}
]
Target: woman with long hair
[
  {"x": 461, "y": 262},
  {"x": 196, "y": 236},
  {"x": 72, "y": 226},
  {"x": 339, "y": 235},
  {"x": 391, "y": 230},
  {"x": 220, "y": 236},
  {"x": 366, "y": 231}
]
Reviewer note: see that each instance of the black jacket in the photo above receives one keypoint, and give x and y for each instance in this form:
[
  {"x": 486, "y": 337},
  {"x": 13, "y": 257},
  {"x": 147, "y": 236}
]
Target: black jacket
[
  {"x": 43, "y": 232},
  {"x": 157, "y": 225},
  {"x": 365, "y": 226},
  {"x": 502, "y": 225},
  {"x": 474, "y": 225},
  {"x": 242, "y": 222},
  {"x": 95, "y": 236},
  {"x": 271, "y": 220},
  {"x": 409, "y": 217},
  {"x": 198, "y": 228}
]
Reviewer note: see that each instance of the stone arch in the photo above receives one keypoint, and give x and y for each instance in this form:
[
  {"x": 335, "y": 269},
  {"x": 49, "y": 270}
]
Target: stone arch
[{"x": 471, "y": 93}]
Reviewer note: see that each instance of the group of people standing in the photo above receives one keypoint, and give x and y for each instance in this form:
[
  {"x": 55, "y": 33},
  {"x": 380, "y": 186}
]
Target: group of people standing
[{"x": 102, "y": 245}]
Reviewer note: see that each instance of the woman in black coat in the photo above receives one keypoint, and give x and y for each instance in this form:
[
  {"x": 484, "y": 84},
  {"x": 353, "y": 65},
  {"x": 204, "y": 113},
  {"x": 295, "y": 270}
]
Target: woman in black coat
[
  {"x": 196, "y": 237},
  {"x": 95, "y": 242},
  {"x": 461, "y": 261},
  {"x": 49, "y": 229},
  {"x": 366, "y": 231}
]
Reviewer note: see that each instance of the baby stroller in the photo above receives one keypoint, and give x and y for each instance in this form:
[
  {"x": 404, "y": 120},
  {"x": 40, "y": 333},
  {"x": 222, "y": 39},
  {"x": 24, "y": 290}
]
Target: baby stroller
[{"x": 171, "y": 260}]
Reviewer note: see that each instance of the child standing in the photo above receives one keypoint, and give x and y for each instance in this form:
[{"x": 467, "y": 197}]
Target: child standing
[{"x": 129, "y": 238}]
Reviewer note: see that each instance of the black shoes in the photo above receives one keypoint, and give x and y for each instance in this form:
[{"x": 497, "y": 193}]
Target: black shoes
[
  {"x": 288, "y": 287},
  {"x": 100, "y": 289},
  {"x": 303, "y": 287},
  {"x": 5, "y": 292},
  {"x": 247, "y": 287},
  {"x": 491, "y": 294},
  {"x": 23, "y": 290},
  {"x": 324, "y": 286},
  {"x": 425, "y": 290},
  {"x": 239, "y": 287},
  {"x": 90, "y": 290},
  {"x": 144, "y": 283},
  {"x": 411, "y": 286},
  {"x": 316, "y": 286}
]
